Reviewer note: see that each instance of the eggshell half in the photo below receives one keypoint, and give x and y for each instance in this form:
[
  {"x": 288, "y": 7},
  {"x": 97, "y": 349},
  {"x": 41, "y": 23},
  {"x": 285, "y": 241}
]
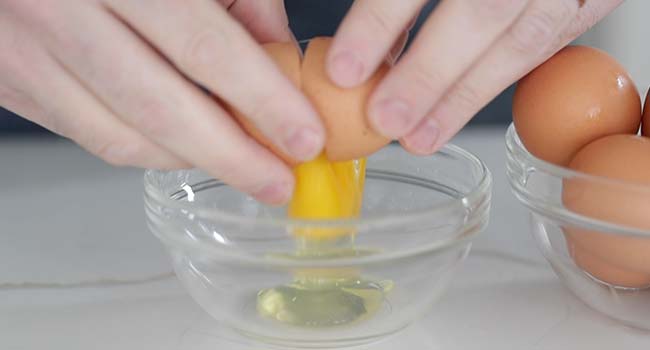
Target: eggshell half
[
  {"x": 577, "y": 96},
  {"x": 287, "y": 57},
  {"x": 618, "y": 259},
  {"x": 343, "y": 111}
]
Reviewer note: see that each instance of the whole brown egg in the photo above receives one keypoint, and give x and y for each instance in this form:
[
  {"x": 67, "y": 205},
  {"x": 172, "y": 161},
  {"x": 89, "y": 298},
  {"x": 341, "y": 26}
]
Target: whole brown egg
[
  {"x": 620, "y": 195},
  {"x": 578, "y": 95}
]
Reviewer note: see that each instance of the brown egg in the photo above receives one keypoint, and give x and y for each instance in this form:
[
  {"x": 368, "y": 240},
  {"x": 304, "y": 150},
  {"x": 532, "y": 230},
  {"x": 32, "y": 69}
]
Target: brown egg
[
  {"x": 604, "y": 270},
  {"x": 577, "y": 96},
  {"x": 287, "y": 57},
  {"x": 645, "y": 123},
  {"x": 623, "y": 200},
  {"x": 349, "y": 136}
]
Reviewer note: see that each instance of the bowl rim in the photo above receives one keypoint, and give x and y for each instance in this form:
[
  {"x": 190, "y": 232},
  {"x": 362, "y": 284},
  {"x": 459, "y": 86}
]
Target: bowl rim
[
  {"x": 478, "y": 193},
  {"x": 518, "y": 153},
  {"x": 514, "y": 145}
]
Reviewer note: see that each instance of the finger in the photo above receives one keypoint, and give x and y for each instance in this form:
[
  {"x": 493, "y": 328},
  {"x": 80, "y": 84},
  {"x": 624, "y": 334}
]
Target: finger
[
  {"x": 210, "y": 47},
  {"x": 14, "y": 70},
  {"x": 541, "y": 32},
  {"x": 151, "y": 96},
  {"x": 266, "y": 20},
  {"x": 366, "y": 36},
  {"x": 60, "y": 104},
  {"x": 453, "y": 38}
]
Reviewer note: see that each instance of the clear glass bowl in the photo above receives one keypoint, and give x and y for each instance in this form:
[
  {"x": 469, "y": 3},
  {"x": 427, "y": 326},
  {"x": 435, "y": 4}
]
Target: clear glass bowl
[
  {"x": 241, "y": 262},
  {"x": 604, "y": 263}
]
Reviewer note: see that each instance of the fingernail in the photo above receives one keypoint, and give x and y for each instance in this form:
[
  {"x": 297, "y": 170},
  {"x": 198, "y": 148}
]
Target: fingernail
[
  {"x": 346, "y": 69},
  {"x": 425, "y": 138},
  {"x": 274, "y": 194},
  {"x": 303, "y": 143},
  {"x": 392, "y": 117}
]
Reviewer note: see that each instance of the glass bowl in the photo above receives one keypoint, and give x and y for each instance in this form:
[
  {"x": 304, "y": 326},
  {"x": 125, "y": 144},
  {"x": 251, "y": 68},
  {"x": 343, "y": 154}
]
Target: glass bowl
[
  {"x": 242, "y": 263},
  {"x": 604, "y": 262}
]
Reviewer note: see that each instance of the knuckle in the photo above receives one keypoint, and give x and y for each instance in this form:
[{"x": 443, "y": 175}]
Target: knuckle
[
  {"x": 233, "y": 171},
  {"x": 584, "y": 20},
  {"x": 203, "y": 53},
  {"x": 151, "y": 116},
  {"x": 118, "y": 152},
  {"x": 426, "y": 78},
  {"x": 534, "y": 32},
  {"x": 381, "y": 20},
  {"x": 465, "y": 97},
  {"x": 496, "y": 9},
  {"x": 261, "y": 107}
]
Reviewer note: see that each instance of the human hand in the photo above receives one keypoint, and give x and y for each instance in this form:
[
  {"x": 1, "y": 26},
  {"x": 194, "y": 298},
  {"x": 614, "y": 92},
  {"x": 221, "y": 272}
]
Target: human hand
[
  {"x": 121, "y": 78},
  {"x": 466, "y": 53}
]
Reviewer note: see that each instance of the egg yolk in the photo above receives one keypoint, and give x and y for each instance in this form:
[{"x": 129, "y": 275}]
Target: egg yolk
[{"x": 327, "y": 190}]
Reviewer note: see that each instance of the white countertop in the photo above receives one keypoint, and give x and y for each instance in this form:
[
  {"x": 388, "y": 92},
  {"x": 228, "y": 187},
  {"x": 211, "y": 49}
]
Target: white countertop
[{"x": 79, "y": 270}]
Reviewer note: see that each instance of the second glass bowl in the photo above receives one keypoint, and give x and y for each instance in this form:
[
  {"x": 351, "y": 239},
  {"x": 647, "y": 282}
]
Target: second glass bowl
[
  {"x": 242, "y": 264},
  {"x": 604, "y": 263}
]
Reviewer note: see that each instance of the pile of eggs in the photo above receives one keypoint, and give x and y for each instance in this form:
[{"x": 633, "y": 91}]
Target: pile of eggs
[{"x": 581, "y": 110}]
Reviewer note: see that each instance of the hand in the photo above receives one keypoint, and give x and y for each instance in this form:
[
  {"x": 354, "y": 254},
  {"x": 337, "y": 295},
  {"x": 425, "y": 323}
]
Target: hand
[
  {"x": 121, "y": 78},
  {"x": 466, "y": 53}
]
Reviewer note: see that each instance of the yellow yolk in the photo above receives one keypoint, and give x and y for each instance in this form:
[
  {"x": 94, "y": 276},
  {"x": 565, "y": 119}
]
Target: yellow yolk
[{"x": 327, "y": 190}]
